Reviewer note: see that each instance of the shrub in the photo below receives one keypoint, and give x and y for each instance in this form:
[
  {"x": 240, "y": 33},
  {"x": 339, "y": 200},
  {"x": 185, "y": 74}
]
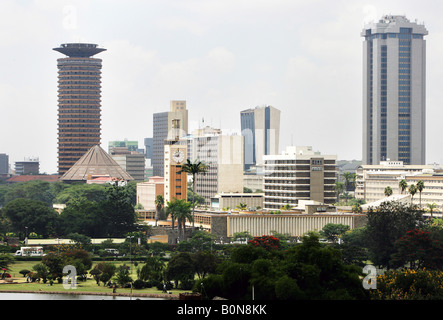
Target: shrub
[
  {"x": 409, "y": 285},
  {"x": 139, "y": 284}
]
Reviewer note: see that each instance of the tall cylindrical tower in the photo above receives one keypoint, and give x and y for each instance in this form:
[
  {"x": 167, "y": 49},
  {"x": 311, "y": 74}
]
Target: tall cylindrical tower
[
  {"x": 79, "y": 102},
  {"x": 394, "y": 91}
]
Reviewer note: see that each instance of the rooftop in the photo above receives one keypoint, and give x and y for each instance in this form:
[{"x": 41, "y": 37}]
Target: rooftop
[{"x": 79, "y": 50}]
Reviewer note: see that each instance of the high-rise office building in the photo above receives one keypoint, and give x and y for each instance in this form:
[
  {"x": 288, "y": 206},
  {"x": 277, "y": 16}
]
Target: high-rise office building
[
  {"x": 223, "y": 154},
  {"x": 79, "y": 102},
  {"x": 261, "y": 129},
  {"x": 394, "y": 92},
  {"x": 299, "y": 173},
  {"x": 4, "y": 164},
  {"x": 162, "y": 130}
]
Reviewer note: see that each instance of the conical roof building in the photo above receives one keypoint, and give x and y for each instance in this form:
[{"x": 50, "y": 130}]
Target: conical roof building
[{"x": 95, "y": 162}]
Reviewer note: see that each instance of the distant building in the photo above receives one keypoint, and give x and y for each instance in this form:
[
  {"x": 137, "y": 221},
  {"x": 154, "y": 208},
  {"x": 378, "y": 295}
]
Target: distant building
[
  {"x": 372, "y": 180},
  {"x": 130, "y": 145},
  {"x": 224, "y": 156},
  {"x": 131, "y": 161},
  {"x": 297, "y": 174},
  {"x": 149, "y": 144},
  {"x": 148, "y": 191},
  {"x": 4, "y": 164},
  {"x": 96, "y": 162},
  {"x": 260, "y": 128},
  {"x": 27, "y": 166},
  {"x": 161, "y": 130},
  {"x": 394, "y": 91},
  {"x": 79, "y": 102},
  {"x": 230, "y": 201}
]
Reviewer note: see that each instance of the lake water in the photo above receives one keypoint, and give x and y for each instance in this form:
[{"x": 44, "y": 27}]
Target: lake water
[{"x": 44, "y": 296}]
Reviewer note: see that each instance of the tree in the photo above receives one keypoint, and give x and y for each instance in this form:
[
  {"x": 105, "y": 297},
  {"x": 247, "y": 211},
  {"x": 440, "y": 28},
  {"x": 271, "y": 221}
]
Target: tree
[
  {"x": 205, "y": 263},
  {"x": 402, "y": 185},
  {"x": 431, "y": 207},
  {"x": 123, "y": 277},
  {"x": 418, "y": 250},
  {"x": 420, "y": 187},
  {"x": 332, "y": 231},
  {"x": 348, "y": 178},
  {"x": 104, "y": 270},
  {"x": 339, "y": 187},
  {"x": 194, "y": 168},
  {"x": 181, "y": 270},
  {"x": 152, "y": 269},
  {"x": 118, "y": 212},
  {"x": 42, "y": 271},
  {"x": 386, "y": 224},
  {"x": 388, "y": 191},
  {"x": 83, "y": 216},
  {"x": 180, "y": 209},
  {"x": 242, "y": 206},
  {"x": 412, "y": 190},
  {"x": 36, "y": 215},
  {"x": 159, "y": 203}
]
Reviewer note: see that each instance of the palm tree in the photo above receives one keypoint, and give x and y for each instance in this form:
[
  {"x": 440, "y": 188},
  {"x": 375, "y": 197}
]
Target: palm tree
[
  {"x": 431, "y": 207},
  {"x": 420, "y": 187},
  {"x": 402, "y": 185},
  {"x": 242, "y": 206},
  {"x": 180, "y": 209},
  {"x": 388, "y": 191},
  {"x": 348, "y": 178},
  {"x": 159, "y": 202},
  {"x": 412, "y": 190},
  {"x": 339, "y": 187},
  {"x": 194, "y": 168}
]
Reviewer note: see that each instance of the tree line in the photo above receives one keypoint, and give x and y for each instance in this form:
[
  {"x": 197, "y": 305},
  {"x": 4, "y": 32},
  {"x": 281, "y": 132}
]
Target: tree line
[{"x": 93, "y": 210}]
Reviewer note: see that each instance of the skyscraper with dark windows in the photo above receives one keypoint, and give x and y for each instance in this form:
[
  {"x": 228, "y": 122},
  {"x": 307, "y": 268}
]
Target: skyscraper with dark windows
[
  {"x": 394, "y": 91},
  {"x": 79, "y": 102}
]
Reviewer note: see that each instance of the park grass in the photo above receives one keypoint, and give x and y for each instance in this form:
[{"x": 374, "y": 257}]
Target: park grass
[{"x": 88, "y": 286}]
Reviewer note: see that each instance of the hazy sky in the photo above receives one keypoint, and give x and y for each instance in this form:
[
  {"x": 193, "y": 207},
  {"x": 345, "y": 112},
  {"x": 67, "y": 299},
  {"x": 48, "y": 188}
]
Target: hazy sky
[{"x": 303, "y": 57}]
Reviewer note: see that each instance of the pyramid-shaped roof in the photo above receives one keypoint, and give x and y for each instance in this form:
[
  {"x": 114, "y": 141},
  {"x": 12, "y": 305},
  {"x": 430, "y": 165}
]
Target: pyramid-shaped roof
[{"x": 95, "y": 162}]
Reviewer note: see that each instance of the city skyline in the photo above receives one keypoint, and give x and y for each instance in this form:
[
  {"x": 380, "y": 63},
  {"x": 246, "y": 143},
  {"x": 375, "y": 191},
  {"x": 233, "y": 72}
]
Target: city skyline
[{"x": 304, "y": 57}]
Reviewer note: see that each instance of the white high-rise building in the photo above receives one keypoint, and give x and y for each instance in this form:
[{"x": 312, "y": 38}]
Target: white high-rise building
[
  {"x": 394, "y": 91},
  {"x": 261, "y": 128}
]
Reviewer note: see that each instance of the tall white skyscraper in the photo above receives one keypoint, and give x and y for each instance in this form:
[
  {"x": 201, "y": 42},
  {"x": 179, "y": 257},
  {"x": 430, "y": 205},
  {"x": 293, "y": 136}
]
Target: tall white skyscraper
[{"x": 394, "y": 91}]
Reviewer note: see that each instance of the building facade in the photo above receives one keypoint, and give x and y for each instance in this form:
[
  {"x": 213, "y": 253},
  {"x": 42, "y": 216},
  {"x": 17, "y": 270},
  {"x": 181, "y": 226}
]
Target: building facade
[
  {"x": 27, "y": 166},
  {"x": 4, "y": 164},
  {"x": 223, "y": 154},
  {"x": 372, "y": 180},
  {"x": 175, "y": 155},
  {"x": 79, "y": 102},
  {"x": 162, "y": 129},
  {"x": 131, "y": 161},
  {"x": 148, "y": 191},
  {"x": 297, "y": 174},
  {"x": 260, "y": 128},
  {"x": 394, "y": 91}
]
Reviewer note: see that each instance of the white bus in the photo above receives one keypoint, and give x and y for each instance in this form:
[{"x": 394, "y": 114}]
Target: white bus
[{"x": 30, "y": 252}]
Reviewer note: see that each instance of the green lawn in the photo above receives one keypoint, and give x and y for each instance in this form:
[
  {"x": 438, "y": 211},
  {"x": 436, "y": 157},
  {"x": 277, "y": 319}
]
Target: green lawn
[{"x": 82, "y": 286}]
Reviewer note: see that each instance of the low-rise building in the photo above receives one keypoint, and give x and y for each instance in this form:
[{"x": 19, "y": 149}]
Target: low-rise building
[
  {"x": 230, "y": 201},
  {"x": 148, "y": 191},
  {"x": 372, "y": 180}
]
